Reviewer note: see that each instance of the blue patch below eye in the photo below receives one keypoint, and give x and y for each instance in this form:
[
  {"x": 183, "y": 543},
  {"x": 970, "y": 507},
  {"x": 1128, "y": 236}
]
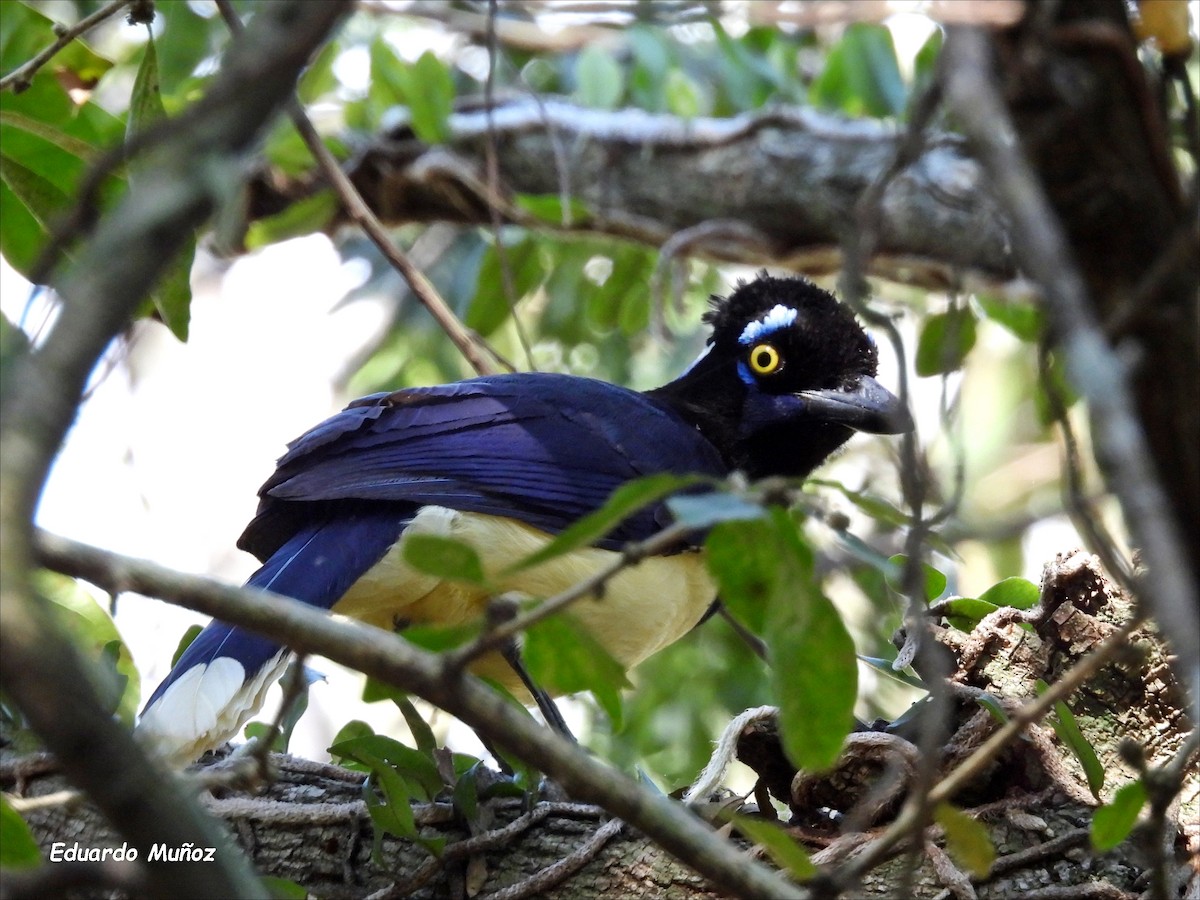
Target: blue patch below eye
[
  {"x": 744, "y": 373},
  {"x": 779, "y": 317}
]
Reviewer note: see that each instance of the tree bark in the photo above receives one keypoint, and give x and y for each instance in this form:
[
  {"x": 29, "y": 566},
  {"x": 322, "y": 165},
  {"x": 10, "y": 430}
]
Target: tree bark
[{"x": 779, "y": 186}]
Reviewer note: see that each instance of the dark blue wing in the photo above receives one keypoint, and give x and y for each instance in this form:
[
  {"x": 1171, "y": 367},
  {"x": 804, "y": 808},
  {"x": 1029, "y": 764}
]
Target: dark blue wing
[{"x": 545, "y": 449}]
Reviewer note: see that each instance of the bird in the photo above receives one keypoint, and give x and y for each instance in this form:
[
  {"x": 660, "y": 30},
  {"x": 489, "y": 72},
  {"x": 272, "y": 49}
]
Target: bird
[{"x": 506, "y": 462}]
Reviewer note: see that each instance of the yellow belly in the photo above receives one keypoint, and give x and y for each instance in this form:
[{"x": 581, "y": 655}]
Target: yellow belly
[{"x": 643, "y": 608}]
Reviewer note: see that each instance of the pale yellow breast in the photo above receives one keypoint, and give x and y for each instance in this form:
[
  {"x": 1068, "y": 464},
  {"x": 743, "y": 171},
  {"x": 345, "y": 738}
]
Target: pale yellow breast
[{"x": 643, "y": 608}]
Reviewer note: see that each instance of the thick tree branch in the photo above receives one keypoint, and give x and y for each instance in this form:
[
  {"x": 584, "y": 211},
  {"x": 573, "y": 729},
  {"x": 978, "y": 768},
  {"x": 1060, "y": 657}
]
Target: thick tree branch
[
  {"x": 791, "y": 176},
  {"x": 109, "y": 277},
  {"x": 384, "y": 657}
]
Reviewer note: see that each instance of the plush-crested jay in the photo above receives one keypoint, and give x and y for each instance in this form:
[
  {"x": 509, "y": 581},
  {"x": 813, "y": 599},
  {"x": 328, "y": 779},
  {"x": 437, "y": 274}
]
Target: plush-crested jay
[{"x": 504, "y": 462}]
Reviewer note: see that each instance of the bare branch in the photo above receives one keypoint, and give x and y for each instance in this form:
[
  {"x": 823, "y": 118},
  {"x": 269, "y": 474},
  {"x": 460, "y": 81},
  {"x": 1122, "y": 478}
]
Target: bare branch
[
  {"x": 360, "y": 214},
  {"x": 19, "y": 78},
  {"x": 792, "y": 176}
]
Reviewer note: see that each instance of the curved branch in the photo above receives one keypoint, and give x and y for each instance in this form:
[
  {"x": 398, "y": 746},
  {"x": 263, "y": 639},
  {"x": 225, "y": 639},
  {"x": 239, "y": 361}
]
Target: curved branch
[
  {"x": 21, "y": 77},
  {"x": 791, "y": 175}
]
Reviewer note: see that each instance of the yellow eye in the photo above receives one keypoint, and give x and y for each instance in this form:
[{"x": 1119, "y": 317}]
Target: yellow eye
[{"x": 765, "y": 360}]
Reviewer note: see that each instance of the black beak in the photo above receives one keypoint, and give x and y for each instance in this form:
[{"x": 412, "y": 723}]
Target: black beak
[{"x": 865, "y": 406}]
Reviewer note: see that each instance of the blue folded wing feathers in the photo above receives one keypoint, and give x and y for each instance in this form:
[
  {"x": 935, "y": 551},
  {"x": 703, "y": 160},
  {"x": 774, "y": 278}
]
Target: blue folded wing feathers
[{"x": 543, "y": 449}]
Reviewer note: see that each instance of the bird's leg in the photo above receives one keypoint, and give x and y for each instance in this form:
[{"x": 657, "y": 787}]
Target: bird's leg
[
  {"x": 512, "y": 655},
  {"x": 753, "y": 641}
]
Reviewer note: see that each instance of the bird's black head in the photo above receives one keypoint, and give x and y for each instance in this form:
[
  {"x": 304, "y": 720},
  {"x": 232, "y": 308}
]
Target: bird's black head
[{"x": 787, "y": 377}]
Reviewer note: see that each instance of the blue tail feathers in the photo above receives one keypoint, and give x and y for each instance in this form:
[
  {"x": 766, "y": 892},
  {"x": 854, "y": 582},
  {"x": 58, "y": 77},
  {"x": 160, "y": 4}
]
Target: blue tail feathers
[{"x": 221, "y": 678}]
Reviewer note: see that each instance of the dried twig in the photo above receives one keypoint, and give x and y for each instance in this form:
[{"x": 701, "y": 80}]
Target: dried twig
[
  {"x": 21, "y": 77},
  {"x": 503, "y": 632},
  {"x": 468, "y": 343}
]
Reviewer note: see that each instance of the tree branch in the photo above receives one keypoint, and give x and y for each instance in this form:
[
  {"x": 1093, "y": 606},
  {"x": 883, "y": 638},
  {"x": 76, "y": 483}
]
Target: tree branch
[
  {"x": 384, "y": 657},
  {"x": 100, "y": 291},
  {"x": 793, "y": 176},
  {"x": 1166, "y": 585},
  {"x": 21, "y": 77}
]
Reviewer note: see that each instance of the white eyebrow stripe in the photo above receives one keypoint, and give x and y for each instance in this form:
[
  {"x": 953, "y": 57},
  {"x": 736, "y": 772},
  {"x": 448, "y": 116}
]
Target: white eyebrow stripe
[{"x": 779, "y": 317}]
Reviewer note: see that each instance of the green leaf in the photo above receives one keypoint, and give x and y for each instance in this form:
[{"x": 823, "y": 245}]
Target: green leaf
[
  {"x": 935, "y": 581},
  {"x": 626, "y": 500},
  {"x": 418, "y": 769},
  {"x": 964, "y": 613},
  {"x": 443, "y": 557},
  {"x": 945, "y": 341},
  {"x": 18, "y": 849},
  {"x": 466, "y": 792},
  {"x": 1064, "y": 725},
  {"x": 550, "y": 208},
  {"x": 394, "y": 813},
  {"x": 374, "y": 691},
  {"x": 967, "y": 840},
  {"x": 814, "y": 671},
  {"x": 491, "y": 305},
  {"x": 1013, "y": 591},
  {"x": 785, "y": 850},
  {"x": 1023, "y": 319},
  {"x": 599, "y": 80},
  {"x": 436, "y": 638},
  {"x": 430, "y": 95},
  {"x": 24, "y": 32},
  {"x": 300, "y": 218},
  {"x": 318, "y": 77},
  {"x": 117, "y": 679},
  {"x": 861, "y": 74},
  {"x": 145, "y": 102},
  {"x": 1113, "y": 822},
  {"x": 765, "y": 574},
  {"x": 740, "y": 557},
  {"x": 993, "y": 706},
  {"x": 355, "y": 728},
  {"x": 172, "y": 295},
  {"x": 683, "y": 95},
  {"x": 190, "y": 635},
  {"x": 566, "y": 659},
  {"x": 283, "y": 889},
  {"x": 421, "y": 732}
]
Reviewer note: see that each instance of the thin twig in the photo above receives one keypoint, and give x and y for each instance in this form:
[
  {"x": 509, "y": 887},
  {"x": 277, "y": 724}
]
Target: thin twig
[
  {"x": 1083, "y": 515},
  {"x": 1162, "y": 787},
  {"x": 492, "y": 163},
  {"x": 356, "y": 207},
  {"x": 503, "y": 632},
  {"x": 21, "y": 77},
  {"x": 555, "y": 874},
  {"x": 68, "y": 797}
]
